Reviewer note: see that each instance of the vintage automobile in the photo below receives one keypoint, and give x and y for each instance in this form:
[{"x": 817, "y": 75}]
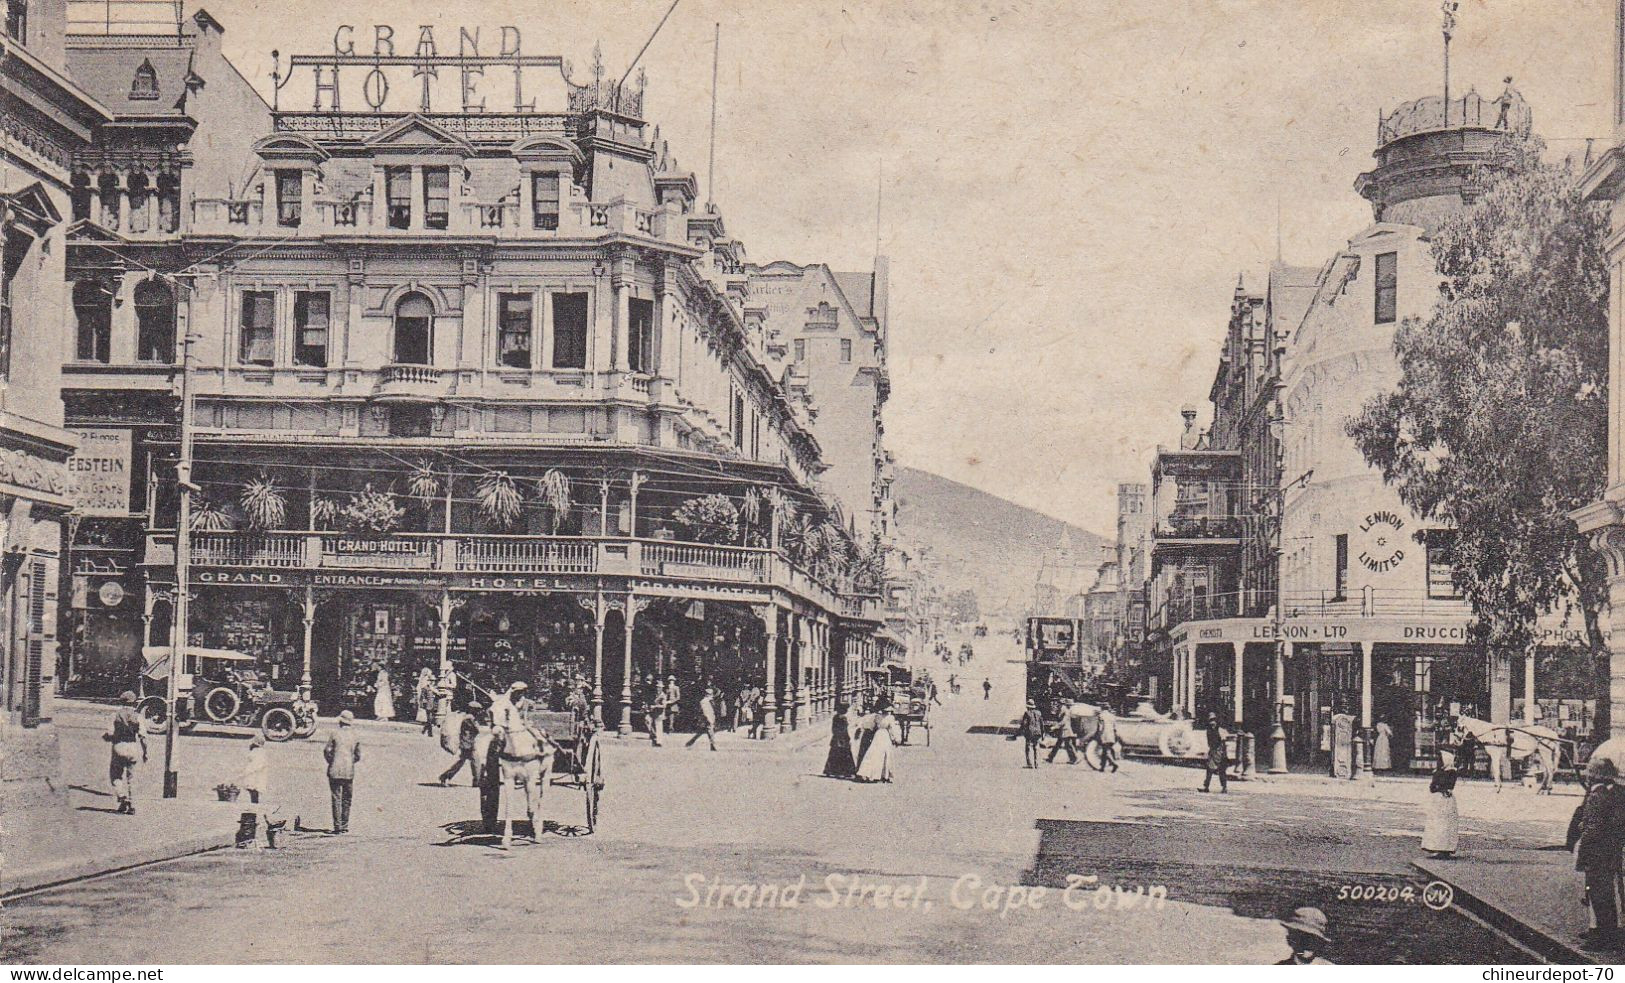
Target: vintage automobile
[
  {"x": 1147, "y": 732},
  {"x": 220, "y": 686}
]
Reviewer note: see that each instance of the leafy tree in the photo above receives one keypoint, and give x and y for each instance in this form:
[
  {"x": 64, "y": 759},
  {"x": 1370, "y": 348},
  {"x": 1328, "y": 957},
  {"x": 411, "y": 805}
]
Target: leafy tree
[{"x": 1498, "y": 426}]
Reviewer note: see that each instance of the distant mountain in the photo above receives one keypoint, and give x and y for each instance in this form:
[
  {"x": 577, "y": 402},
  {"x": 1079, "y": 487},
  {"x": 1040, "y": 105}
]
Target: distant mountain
[{"x": 989, "y": 544}]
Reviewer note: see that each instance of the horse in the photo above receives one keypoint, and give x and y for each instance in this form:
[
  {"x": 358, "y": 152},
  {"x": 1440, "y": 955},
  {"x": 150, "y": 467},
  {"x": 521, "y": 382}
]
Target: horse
[{"x": 1503, "y": 742}]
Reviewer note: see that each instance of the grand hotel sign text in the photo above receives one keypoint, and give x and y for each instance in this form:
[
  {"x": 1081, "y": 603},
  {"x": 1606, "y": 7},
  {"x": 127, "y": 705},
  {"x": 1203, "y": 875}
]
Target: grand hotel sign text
[{"x": 381, "y": 58}]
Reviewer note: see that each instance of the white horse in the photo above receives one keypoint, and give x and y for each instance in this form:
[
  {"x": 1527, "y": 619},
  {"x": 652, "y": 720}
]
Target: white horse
[{"x": 1503, "y": 742}]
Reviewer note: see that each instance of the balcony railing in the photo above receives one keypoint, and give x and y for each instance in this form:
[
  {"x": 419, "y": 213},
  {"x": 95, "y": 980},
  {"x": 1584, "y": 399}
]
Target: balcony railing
[
  {"x": 1199, "y": 527},
  {"x": 479, "y": 554},
  {"x": 411, "y": 375}
]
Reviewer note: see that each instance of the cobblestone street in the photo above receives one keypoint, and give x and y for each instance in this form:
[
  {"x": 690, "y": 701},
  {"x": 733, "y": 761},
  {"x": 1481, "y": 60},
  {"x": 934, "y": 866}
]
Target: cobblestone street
[{"x": 963, "y": 816}]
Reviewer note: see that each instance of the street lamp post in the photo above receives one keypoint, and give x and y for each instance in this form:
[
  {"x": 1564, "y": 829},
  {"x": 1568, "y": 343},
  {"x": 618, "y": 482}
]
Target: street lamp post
[{"x": 181, "y": 629}]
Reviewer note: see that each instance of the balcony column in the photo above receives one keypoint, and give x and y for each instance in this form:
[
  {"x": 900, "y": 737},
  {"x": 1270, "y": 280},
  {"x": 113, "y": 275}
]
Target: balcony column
[
  {"x": 619, "y": 321},
  {"x": 595, "y": 604},
  {"x": 1239, "y": 649},
  {"x": 769, "y": 613},
  {"x": 634, "y": 604},
  {"x": 1190, "y": 679},
  {"x": 308, "y": 611},
  {"x": 447, "y": 606}
]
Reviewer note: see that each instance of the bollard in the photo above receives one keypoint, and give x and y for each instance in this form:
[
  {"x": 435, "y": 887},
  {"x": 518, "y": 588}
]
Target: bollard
[
  {"x": 1249, "y": 755},
  {"x": 1357, "y": 769}
]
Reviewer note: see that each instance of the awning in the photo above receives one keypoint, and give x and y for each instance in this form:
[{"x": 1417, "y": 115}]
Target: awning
[{"x": 155, "y": 658}]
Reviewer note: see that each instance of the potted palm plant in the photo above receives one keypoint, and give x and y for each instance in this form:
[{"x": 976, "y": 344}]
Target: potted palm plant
[
  {"x": 499, "y": 499},
  {"x": 750, "y": 513},
  {"x": 711, "y": 519},
  {"x": 209, "y": 517},
  {"x": 263, "y": 504},
  {"x": 371, "y": 512},
  {"x": 554, "y": 490}
]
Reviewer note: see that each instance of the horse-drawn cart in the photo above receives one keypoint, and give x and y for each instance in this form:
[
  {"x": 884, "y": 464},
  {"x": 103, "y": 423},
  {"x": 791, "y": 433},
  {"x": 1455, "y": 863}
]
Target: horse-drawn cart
[{"x": 578, "y": 760}]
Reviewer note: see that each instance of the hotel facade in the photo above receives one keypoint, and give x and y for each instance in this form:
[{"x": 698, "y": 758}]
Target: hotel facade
[{"x": 472, "y": 385}]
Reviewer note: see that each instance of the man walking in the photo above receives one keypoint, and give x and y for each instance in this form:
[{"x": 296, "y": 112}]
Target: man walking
[
  {"x": 1218, "y": 756},
  {"x": 657, "y": 714},
  {"x": 1601, "y": 835},
  {"x": 1107, "y": 736},
  {"x": 708, "y": 719},
  {"x": 467, "y": 733},
  {"x": 342, "y": 752},
  {"x": 1068, "y": 739},
  {"x": 127, "y": 741},
  {"x": 1032, "y": 731},
  {"x": 987, "y": 689}
]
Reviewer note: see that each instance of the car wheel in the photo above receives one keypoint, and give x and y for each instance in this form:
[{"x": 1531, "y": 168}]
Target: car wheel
[
  {"x": 155, "y": 711},
  {"x": 278, "y": 724},
  {"x": 222, "y": 704}
]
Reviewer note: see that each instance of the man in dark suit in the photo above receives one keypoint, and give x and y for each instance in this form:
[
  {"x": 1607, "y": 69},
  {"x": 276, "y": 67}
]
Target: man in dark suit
[
  {"x": 1602, "y": 835},
  {"x": 1032, "y": 731}
]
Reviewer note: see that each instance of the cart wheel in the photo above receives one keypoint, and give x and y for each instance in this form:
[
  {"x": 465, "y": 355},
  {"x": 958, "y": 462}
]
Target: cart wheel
[
  {"x": 222, "y": 704},
  {"x": 927, "y": 735},
  {"x": 155, "y": 711},
  {"x": 305, "y": 727},
  {"x": 278, "y": 724},
  {"x": 1093, "y": 756},
  {"x": 592, "y": 783}
]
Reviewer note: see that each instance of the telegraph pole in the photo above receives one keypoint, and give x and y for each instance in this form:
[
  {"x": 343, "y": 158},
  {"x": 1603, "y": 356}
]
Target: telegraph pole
[
  {"x": 1278, "y": 763},
  {"x": 180, "y": 631}
]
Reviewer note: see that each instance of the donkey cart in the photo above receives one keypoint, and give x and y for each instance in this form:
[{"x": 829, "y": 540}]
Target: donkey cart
[{"x": 578, "y": 761}]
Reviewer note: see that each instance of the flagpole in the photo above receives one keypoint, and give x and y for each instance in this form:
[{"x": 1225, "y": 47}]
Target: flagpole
[
  {"x": 1449, "y": 8},
  {"x": 711, "y": 162}
]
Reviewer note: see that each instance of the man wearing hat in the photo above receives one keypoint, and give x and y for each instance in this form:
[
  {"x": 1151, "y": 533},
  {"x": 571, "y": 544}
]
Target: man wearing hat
[
  {"x": 674, "y": 699},
  {"x": 127, "y": 740},
  {"x": 342, "y": 752},
  {"x": 467, "y": 733},
  {"x": 1306, "y": 934},
  {"x": 1031, "y": 731},
  {"x": 1601, "y": 836},
  {"x": 657, "y": 711},
  {"x": 1218, "y": 756}
]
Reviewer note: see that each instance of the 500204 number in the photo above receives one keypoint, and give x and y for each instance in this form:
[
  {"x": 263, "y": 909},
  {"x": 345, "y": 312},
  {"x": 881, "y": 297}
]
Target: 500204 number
[{"x": 1377, "y": 892}]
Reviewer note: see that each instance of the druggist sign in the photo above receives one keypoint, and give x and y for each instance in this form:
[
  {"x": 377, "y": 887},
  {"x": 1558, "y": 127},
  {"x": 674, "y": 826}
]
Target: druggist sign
[{"x": 100, "y": 470}]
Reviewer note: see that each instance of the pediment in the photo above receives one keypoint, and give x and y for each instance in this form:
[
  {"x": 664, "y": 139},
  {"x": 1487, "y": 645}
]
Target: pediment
[
  {"x": 289, "y": 147},
  {"x": 33, "y": 207},
  {"x": 86, "y": 231},
  {"x": 416, "y": 134}
]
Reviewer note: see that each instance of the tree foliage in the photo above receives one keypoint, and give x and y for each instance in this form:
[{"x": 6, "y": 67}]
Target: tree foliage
[{"x": 1498, "y": 426}]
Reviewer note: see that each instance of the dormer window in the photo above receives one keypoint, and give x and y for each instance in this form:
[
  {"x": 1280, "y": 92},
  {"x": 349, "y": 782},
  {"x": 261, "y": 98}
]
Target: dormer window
[
  {"x": 145, "y": 84},
  {"x": 290, "y": 188},
  {"x": 545, "y": 201}
]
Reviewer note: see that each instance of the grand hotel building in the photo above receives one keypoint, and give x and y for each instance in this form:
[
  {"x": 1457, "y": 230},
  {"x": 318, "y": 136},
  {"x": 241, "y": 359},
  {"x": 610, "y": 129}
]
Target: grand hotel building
[{"x": 485, "y": 386}]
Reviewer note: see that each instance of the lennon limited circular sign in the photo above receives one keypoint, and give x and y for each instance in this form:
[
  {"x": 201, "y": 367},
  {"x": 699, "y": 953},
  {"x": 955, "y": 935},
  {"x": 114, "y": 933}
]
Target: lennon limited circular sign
[{"x": 1384, "y": 541}]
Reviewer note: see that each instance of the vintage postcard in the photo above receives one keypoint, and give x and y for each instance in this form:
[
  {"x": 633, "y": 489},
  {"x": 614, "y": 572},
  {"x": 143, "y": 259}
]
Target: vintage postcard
[{"x": 800, "y": 482}]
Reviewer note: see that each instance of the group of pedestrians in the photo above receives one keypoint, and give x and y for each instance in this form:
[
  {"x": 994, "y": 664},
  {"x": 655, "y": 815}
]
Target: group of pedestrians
[
  {"x": 876, "y": 736},
  {"x": 1070, "y": 730}
]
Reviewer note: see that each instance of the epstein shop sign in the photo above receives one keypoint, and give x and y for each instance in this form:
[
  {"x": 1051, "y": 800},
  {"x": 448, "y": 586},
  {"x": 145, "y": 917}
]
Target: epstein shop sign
[{"x": 100, "y": 469}]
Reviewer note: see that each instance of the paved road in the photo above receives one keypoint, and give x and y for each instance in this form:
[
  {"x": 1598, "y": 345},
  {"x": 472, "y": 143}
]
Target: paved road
[{"x": 964, "y": 820}]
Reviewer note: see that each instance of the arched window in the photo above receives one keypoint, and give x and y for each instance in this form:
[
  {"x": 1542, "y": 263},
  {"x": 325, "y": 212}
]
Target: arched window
[
  {"x": 414, "y": 323},
  {"x": 145, "y": 83},
  {"x": 154, "y": 322},
  {"x": 93, "y": 312}
]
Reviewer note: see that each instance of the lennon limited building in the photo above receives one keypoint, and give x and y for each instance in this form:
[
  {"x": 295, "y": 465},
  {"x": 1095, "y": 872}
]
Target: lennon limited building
[
  {"x": 1285, "y": 572},
  {"x": 476, "y": 378}
]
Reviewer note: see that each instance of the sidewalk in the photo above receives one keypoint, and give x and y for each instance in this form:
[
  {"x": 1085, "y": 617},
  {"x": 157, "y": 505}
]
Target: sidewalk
[
  {"x": 1535, "y": 896},
  {"x": 41, "y": 847}
]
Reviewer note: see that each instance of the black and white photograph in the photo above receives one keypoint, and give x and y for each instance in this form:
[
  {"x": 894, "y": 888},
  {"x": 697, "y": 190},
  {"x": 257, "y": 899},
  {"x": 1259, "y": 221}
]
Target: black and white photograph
[{"x": 645, "y": 483}]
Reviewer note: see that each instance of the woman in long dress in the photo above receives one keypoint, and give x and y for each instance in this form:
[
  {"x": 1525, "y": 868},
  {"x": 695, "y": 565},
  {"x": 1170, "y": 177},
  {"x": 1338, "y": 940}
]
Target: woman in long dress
[
  {"x": 383, "y": 701},
  {"x": 1443, "y": 830},
  {"x": 839, "y": 764},
  {"x": 1382, "y": 749},
  {"x": 876, "y": 765}
]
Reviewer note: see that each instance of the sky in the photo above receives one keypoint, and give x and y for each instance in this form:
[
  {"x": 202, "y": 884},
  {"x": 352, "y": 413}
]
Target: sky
[{"x": 1067, "y": 191}]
